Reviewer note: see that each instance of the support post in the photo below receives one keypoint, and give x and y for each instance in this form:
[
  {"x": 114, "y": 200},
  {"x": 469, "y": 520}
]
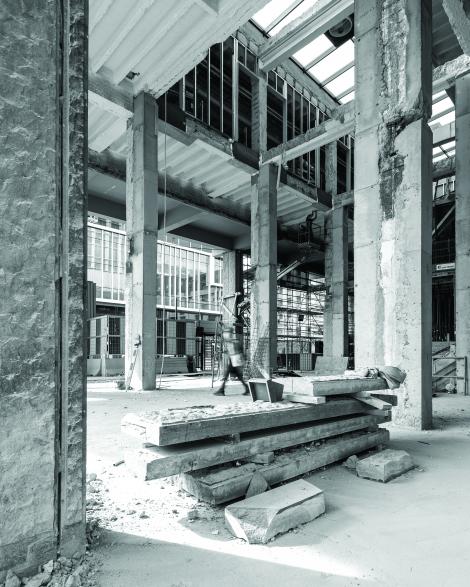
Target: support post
[
  {"x": 335, "y": 317},
  {"x": 264, "y": 262},
  {"x": 462, "y": 228},
  {"x": 393, "y": 197},
  {"x": 142, "y": 229},
  {"x": 259, "y": 113},
  {"x": 43, "y": 174}
]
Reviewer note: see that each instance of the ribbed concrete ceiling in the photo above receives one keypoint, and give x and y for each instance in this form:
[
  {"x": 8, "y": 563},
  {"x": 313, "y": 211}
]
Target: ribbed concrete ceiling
[{"x": 156, "y": 42}]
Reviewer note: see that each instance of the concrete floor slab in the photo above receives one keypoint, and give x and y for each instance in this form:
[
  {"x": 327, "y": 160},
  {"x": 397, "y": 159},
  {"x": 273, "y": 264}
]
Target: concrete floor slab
[{"x": 401, "y": 534}]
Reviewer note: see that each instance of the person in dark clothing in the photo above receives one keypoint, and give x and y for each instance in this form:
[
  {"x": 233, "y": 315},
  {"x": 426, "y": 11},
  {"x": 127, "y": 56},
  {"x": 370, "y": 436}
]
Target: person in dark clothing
[{"x": 235, "y": 361}]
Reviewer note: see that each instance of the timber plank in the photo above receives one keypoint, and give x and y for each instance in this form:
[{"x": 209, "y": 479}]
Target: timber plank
[
  {"x": 167, "y": 427},
  {"x": 230, "y": 483},
  {"x": 153, "y": 462}
]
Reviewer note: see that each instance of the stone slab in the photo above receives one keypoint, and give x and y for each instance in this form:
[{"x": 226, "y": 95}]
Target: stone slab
[
  {"x": 259, "y": 519},
  {"x": 385, "y": 465},
  {"x": 332, "y": 385},
  {"x": 258, "y": 484}
]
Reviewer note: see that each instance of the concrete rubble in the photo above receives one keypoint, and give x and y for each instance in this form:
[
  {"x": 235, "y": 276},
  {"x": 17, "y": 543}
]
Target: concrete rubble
[
  {"x": 259, "y": 519},
  {"x": 385, "y": 465}
]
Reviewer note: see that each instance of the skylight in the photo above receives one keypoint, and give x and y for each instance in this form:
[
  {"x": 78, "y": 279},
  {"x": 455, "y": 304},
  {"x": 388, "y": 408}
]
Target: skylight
[{"x": 331, "y": 67}]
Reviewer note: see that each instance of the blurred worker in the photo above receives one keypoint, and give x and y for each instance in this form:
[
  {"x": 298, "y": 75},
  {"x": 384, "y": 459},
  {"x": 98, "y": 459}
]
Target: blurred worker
[{"x": 235, "y": 360}]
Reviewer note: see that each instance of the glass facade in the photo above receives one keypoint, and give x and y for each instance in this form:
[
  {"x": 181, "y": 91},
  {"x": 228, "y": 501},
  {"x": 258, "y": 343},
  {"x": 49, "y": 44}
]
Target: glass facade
[{"x": 188, "y": 279}]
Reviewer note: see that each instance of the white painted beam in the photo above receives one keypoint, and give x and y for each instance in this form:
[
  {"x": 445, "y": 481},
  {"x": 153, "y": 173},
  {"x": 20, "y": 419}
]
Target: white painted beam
[
  {"x": 310, "y": 25},
  {"x": 459, "y": 22},
  {"x": 443, "y": 134},
  {"x": 99, "y": 141},
  {"x": 109, "y": 97}
]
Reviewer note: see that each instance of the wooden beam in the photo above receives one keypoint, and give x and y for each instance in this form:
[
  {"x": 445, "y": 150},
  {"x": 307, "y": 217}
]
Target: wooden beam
[
  {"x": 328, "y": 131},
  {"x": 303, "y": 30}
]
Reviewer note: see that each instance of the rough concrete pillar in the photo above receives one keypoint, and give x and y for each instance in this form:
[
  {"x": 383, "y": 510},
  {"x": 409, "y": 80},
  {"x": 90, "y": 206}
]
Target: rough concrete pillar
[
  {"x": 335, "y": 316},
  {"x": 142, "y": 227},
  {"x": 259, "y": 113},
  {"x": 232, "y": 281},
  {"x": 43, "y": 160},
  {"x": 393, "y": 197},
  {"x": 264, "y": 262},
  {"x": 462, "y": 227}
]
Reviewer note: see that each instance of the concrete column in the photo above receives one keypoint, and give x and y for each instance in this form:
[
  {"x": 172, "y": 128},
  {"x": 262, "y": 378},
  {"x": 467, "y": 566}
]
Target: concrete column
[
  {"x": 462, "y": 226},
  {"x": 264, "y": 262},
  {"x": 393, "y": 197},
  {"x": 43, "y": 170},
  {"x": 259, "y": 113},
  {"x": 335, "y": 317},
  {"x": 142, "y": 227},
  {"x": 232, "y": 281}
]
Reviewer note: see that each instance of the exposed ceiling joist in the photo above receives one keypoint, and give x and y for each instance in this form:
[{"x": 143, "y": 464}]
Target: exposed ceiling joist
[
  {"x": 310, "y": 25},
  {"x": 443, "y": 134},
  {"x": 109, "y": 164},
  {"x": 459, "y": 21}
]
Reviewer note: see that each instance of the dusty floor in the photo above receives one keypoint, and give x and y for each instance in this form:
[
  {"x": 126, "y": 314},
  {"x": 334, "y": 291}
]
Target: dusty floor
[{"x": 414, "y": 530}]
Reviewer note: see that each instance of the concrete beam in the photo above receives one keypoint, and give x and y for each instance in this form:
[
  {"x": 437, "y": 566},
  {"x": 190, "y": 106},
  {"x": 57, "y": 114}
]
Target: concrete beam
[
  {"x": 459, "y": 21},
  {"x": 328, "y": 131},
  {"x": 444, "y": 76},
  {"x": 178, "y": 217},
  {"x": 303, "y": 30},
  {"x": 109, "y": 97},
  {"x": 443, "y": 168}
]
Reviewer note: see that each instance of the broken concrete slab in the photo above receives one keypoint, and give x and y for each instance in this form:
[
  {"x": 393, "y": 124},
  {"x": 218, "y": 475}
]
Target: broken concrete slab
[
  {"x": 154, "y": 462},
  {"x": 260, "y": 518},
  {"x": 264, "y": 458},
  {"x": 230, "y": 482},
  {"x": 303, "y": 398},
  {"x": 258, "y": 484},
  {"x": 385, "y": 465}
]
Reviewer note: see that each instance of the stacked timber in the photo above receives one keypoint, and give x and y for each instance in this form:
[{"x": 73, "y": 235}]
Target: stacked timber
[{"x": 221, "y": 452}]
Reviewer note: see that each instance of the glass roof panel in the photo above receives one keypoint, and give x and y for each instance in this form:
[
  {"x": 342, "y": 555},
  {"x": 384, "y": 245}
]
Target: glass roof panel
[
  {"x": 342, "y": 82},
  {"x": 271, "y": 11},
  {"x": 311, "y": 51},
  {"x": 449, "y": 117},
  {"x": 441, "y": 106},
  {"x": 333, "y": 62},
  {"x": 347, "y": 98}
]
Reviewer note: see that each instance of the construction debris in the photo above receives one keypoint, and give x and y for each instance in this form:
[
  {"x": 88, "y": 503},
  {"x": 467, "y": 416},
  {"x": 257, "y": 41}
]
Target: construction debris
[
  {"x": 259, "y": 519},
  {"x": 385, "y": 465}
]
